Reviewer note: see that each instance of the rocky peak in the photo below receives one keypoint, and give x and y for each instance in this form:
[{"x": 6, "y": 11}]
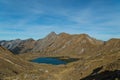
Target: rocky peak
[
  {"x": 30, "y": 39},
  {"x": 84, "y": 35},
  {"x": 89, "y": 39},
  {"x": 63, "y": 34},
  {"x": 52, "y": 34},
  {"x": 16, "y": 40},
  {"x": 113, "y": 42}
]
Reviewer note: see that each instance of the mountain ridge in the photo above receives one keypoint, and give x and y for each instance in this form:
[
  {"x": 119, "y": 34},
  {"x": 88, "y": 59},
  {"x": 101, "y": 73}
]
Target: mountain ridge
[{"x": 24, "y": 46}]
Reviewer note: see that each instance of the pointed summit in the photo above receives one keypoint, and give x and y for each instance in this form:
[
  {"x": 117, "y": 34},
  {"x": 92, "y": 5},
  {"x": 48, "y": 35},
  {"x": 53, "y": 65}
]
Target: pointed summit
[
  {"x": 52, "y": 34},
  {"x": 30, "y": 39}
]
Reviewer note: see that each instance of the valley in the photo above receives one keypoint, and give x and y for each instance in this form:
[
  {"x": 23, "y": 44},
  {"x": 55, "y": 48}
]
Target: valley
[{"x": 91, "y": 58}]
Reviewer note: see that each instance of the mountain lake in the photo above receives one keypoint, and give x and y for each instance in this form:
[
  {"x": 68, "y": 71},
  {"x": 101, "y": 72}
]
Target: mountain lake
[{"x": 54, "y": 60}]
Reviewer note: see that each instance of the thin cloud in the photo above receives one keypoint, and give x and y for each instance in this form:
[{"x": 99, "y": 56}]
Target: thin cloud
[{"x": 39, "y": 17}]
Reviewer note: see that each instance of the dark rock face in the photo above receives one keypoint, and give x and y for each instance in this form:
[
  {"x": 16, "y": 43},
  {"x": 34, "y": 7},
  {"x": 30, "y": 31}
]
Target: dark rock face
[
  {"x": 11, "y": 45},
  {"x": 106, "y": 75},
  {"x": 18, "y": 46}
]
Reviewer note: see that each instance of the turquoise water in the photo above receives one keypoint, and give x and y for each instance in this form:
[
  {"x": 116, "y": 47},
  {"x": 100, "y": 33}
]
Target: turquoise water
[{"x": 47, "y": 60}]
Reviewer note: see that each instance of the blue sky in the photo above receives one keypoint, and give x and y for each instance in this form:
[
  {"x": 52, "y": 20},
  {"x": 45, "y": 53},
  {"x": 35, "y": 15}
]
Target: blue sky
[{"x": 36, "y": 18}]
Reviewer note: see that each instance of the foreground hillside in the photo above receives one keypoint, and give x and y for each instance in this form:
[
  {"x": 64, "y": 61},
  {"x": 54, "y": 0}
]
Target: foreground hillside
[
  {"x": 10, "y": 64},
  {"x": 12, "y": 67},
  {"x": 98, "y": 60}
]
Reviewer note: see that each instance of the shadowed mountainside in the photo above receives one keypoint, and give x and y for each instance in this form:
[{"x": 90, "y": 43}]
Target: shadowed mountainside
[{"x": 106, "y": 75}]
